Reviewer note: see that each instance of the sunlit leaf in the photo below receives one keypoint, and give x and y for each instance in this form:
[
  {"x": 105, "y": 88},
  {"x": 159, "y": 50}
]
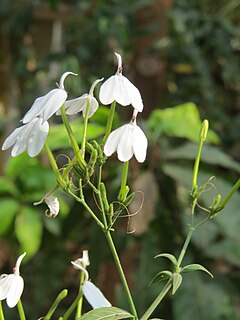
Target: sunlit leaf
[
  {"x": 8, "y": 210},
  {"x": 111, "y": 313}
]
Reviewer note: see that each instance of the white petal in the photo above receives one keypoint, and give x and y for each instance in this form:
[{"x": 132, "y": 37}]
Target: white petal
[
  {"x": 5, "y": 285},
  {"x": 139, "y": 142},
  {"x": 125, "y": 149},
  {"x": 107, "y": 90},
  {"x": 55, "y": 101},
  {"x": 94, "y": 296},
  {"x": 13, "y": 138},
  {"x": 37, "y": 138},
  {"x": 76, "y": 105},
  {"x": 121, "y": 90},
  {"x": 17, "y": 266},
  {"x": 53, "y": 205},
  {"x": 15, "y": 291},
  {"x": 119, "y": 59},
  {"x": 63, "y": 77},
  {"x": 134, "y": 94},
  {"x": 113, "y": 140},
  {"x": 92, "y": 109}
]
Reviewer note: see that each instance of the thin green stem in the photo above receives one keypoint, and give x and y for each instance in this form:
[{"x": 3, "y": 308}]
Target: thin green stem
[
  {"x": 124, "y": 180},
  {"x": 72, "y": 307},
  {"x": 196, "y": 166},
  {"x": 184, "y": 248},
  {"x": 109, "y": 121},
  {"x": 55, "y": 304},
  {"x": 121, "y": 273},
  {"x": 53, "y": 163},
  {"x": 230, "y": 194},
  {"x": 72, "y": 138},
  {"x": 80, "y": 301},
  {"x": 156, "y": 302},
  {"x": 84, "y": 138},
  {"x": 21, "y": 310},
  {"x": 1, "y": 312}
]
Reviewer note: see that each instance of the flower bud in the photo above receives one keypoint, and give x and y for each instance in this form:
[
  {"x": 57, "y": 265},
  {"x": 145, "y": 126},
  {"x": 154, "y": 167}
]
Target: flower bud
[{"x": 204, "y": 130}]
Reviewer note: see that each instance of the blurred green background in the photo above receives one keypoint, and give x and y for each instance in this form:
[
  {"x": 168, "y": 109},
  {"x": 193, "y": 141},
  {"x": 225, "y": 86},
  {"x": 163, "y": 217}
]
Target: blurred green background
[{"x": 184, "y": 58}]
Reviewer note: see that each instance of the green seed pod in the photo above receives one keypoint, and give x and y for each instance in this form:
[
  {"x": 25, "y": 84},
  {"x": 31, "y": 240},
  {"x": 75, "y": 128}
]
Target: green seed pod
[
  {"x": 92, "y": 162},
  {"x": 123, "y": 194},
  {"x": 104, "y": 197},
  {"x": 129, "y": 199}
]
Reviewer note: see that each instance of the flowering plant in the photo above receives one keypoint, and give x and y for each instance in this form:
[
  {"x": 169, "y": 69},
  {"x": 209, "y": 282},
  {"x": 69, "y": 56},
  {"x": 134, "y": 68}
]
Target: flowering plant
[{"x": 84, "y": 170}]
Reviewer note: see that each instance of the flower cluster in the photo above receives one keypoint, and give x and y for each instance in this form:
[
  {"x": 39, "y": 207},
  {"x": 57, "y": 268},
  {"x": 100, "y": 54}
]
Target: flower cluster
[{"x": 128, "y": 140}]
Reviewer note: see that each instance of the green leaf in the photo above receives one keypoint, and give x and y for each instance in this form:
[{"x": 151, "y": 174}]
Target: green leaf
[
  {"x": 168, "y": 256},
  {"x": 195, "y": 267},
  {"x": 111, "y": 313},
  {"x": 7, "y": 186},
  {"x": 8, "y": 211},
  {"x": 177, "y": 280},
  {"x": 163, "y": 275},
  {"x": 28, "y": 228},
  {"x": 58, "y": 137},
  {"x": 182, "y": 121}
]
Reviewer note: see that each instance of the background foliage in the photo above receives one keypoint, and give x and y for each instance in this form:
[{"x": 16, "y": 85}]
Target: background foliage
[{"x": 184, "y": 57}]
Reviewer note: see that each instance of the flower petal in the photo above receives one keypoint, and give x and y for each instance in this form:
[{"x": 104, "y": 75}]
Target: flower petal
[
  {"x": 94, "y": 296},
  {"x": 92, "y": 109},
  {"x": 125, "y": 149},
  {"x": 37, "y": 138},
  {"x": 53, "y": 205},
  {"x": 5, "y": 285},
  {"x": 139, "y": 143},
  {"x": 75, "y": 105},
  {"x": 13, "y": 138},
  {"x": 15, "y": 291},
  {"x": 107, "y": 90},
  {"x": 17, "y": 266},
  {"x": 133, "y": 94},
  {"x": 113, "y": 140}
]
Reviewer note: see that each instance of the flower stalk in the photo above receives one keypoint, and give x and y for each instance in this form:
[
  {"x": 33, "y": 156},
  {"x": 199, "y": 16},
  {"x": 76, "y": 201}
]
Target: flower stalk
[
  {"x": 109, "y": 121},
  {"x": 21, "y": 310}
]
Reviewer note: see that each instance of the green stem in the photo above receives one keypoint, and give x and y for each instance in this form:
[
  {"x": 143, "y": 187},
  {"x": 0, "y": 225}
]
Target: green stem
[
  {"x": 184, "y": 248},
  {"x": 156, "y": 302},
  {"x": 121, "y": 273},
  {"x": 71, "y": 308},
  {"x": 80, "y": 301},
  {"x": 229, "y": 195},
  {"x": 21, "y": 310},
  {"x": 124, "y": 181},
  {"x": 53, "y": 163},
  {"x": 72, "y": 138},
  {"x": 55, "y": 304},
  {"x": 196, "y": 166},
  {"x": 84, "y": 138},
  {"x": 1, "y": 312},
  {"x": 109, "y": 121}
]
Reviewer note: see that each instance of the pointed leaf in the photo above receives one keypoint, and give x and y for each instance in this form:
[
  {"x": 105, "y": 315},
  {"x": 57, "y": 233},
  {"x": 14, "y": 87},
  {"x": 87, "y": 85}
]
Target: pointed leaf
[
  {"x": 177, "y": 280},
  {"x": 107, "y": 314},
  {"x": 168, "y": 256},
  {"x": 163, "y": 275},
  {"x": 194, "y": 267}
]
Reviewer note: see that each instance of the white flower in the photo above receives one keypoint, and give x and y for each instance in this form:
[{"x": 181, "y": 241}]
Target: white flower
[
  {"x": 11, "y": 285},
  {"x": 80, "y": 104},
  {"x": 52, "y": 203},
  {"x": 127, "y": 140},
  {"x": 92, "y": 293},
  {"x": 48, "y": 104},
  {"x": 118, "y": 88},
  {"x": 30, "y": 137}
]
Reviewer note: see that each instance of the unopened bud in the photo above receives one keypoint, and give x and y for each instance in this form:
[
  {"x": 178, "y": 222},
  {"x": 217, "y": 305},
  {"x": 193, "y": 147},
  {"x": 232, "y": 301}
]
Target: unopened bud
[{"x": 204, "y": 130}]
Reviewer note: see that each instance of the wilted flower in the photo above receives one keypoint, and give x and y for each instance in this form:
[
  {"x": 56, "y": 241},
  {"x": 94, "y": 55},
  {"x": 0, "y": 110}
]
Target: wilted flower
[
  {"x": 30, "y": 137},
  {"x": 92, "y": 293},
  {"x": 127, "y": 140},
  {"x": 118, "y": 88},
  {"x": 52, "y": 203},
  {"x": 11, "y": 285},
  {"x": 45, "y": 106},
  {"x": 80, "y": 104}
]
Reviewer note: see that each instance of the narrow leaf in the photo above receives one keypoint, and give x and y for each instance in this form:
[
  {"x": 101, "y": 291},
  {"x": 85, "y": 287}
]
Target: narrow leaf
[
  {"x": 106, "y": 314},
  {"x": 177, "y": 280},
  {"x": 163, "y": 275},
  {"x": 194, "y": 267},
  {"x": 168, "y": 256}
]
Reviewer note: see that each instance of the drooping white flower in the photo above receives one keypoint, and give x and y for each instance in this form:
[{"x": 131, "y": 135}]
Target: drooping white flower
[
  {"x": 128, "y": 140},
  {"x": 80, "y": 104},
  {"x": 52, "y": 203},
  {"x": 30, "y": 137},
  {"x": 48, "y": 104},
  {"x": 11, "y": 285},
  {"x": 118, "y": 88},
  {"x": 92, "y": 293}
]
